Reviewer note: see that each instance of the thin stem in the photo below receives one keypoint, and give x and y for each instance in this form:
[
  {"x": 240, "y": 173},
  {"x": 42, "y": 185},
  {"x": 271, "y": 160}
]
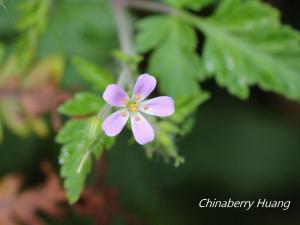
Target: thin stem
[
  {"x": 125, "y": 38},
  {"x": 123, "y": 27},
  {"x": 149, "y": 6}
]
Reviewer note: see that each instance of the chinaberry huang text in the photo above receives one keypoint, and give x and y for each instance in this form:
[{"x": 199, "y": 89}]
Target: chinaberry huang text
[{"x": 247, "y": 205}]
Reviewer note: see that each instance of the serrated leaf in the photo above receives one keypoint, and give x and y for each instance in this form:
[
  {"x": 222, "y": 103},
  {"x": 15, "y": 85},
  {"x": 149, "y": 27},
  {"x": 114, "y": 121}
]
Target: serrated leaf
[
  {"x": 82, "y": 104},
  {"x": 255, "y": 49},
  {"x": 174, "y": 60},
  {"x": 70, "y": 157},
  {"x": 84, "y": 140},
  {"x": 90, "y": 72},
  {"x": 151, "y": 34},
  {"x": 72, "y": 130}
]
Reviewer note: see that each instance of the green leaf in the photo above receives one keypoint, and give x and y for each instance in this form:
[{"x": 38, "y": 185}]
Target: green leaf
[
  {"x": 192, "y": 4},
  {"x": 152, "y": 31},
  {"x": 174, "y": 60},
  {"x": 178, "y": 124},
  {"x": 12, "y": 117},
  {"x": 84, "y": 140},
  {"x": 38, "y": 126},
  {"x": 164, "y": 143},
  {"x": 73, "y": 130},
  {"x": 87, "y": 30},
  {"x": 34, "y": 15},
  {"x": 90, "y": 72},
  {"x": 82, "y": 104},
  {"x": 70, "y": 158},
  {"x": 255, "y": 49}
]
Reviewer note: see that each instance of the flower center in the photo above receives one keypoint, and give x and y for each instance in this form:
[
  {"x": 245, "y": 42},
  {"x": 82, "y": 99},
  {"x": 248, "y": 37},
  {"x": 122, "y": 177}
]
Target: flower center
[{"x": 133, "y": 106}]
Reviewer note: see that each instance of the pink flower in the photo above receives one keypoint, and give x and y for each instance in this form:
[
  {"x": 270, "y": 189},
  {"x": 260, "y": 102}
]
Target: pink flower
[{"x": 134, "y": 107}]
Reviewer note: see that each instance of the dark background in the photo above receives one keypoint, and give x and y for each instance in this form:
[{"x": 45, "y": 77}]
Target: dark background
[{"x": 244, "y": 150}]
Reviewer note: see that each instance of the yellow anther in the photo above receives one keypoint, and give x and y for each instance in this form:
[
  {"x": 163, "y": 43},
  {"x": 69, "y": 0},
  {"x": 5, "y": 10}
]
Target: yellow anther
[{"x": 133, "y": 106}]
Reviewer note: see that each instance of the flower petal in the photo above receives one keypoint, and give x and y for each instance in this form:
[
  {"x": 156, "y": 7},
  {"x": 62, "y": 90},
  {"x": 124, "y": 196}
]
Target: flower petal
[
  {"x": 144, "y": 85},
  {"x": 115, "y": 122},
  {"x": 115, "y": 95},
  {"x": 160, "y": 106},
  {"x": 142, "y": 130}
]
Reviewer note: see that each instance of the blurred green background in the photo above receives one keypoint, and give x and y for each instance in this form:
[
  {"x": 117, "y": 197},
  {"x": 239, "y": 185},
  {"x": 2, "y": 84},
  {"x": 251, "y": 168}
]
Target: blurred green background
[{"x": 244, "y": 150}]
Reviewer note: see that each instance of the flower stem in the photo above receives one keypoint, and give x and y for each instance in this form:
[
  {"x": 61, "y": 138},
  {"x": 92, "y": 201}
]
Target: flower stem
[
  {"x": 126, "y": 44},
  {"x": 149, "y": 6}
]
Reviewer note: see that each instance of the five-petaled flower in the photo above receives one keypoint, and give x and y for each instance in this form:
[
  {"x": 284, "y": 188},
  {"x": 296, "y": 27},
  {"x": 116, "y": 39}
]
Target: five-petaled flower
[{"x": 132, "y": 107}]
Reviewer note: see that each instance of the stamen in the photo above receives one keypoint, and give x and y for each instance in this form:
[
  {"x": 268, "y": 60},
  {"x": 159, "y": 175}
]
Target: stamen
[
  {"x": 133, "y": 106},
  {"x": 137, "y": 118},
  {"x": 123, "y": 114},
  {"x": 146, "y": 107},
  {"x": 137, "y": 97},
  {"x": 125, "y": 101}
]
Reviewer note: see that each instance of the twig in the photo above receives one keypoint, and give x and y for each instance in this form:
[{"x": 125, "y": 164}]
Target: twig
[
  {"x": 149, "y": 6},
  {"x": 125, "y": 37}
]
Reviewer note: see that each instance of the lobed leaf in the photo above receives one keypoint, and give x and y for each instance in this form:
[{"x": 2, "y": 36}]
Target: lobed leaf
[
  {"x": 83, "y": 140},
  {"x": 82, "y": 104},
  {"x": 152, "y": 31},
  {"x": 174, "y": 60},
  {"x": 72, "y": 130},
  {"x": 256, "y": 49},
  {"x": 70, "y": 157}
]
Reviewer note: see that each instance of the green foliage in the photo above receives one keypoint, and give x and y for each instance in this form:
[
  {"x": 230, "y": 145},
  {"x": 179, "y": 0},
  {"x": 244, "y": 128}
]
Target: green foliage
[
  {"x": 34, "y": 15},
  {"x": 82, "y": 104},
  {"x": 32, "y": 22},
  {"x": 254, "y": 49},
  {"x": 16, "y": 110},
  {"x": 92, "y": 73},
  {"x": 192, "y": 4},
  {"x": 83, "y": 140},
  {"x": 80, "y": 28},
  {"x": 9, "y": 109},
  {"x": 245, "y": 45},
  {"x": 174, "y": 60},
  {"x": 178, "y": 124}
]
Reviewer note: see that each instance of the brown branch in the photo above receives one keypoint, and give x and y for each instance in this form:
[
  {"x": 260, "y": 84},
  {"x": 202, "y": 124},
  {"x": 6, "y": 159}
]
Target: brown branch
[{"x": 149, "y": 6}]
